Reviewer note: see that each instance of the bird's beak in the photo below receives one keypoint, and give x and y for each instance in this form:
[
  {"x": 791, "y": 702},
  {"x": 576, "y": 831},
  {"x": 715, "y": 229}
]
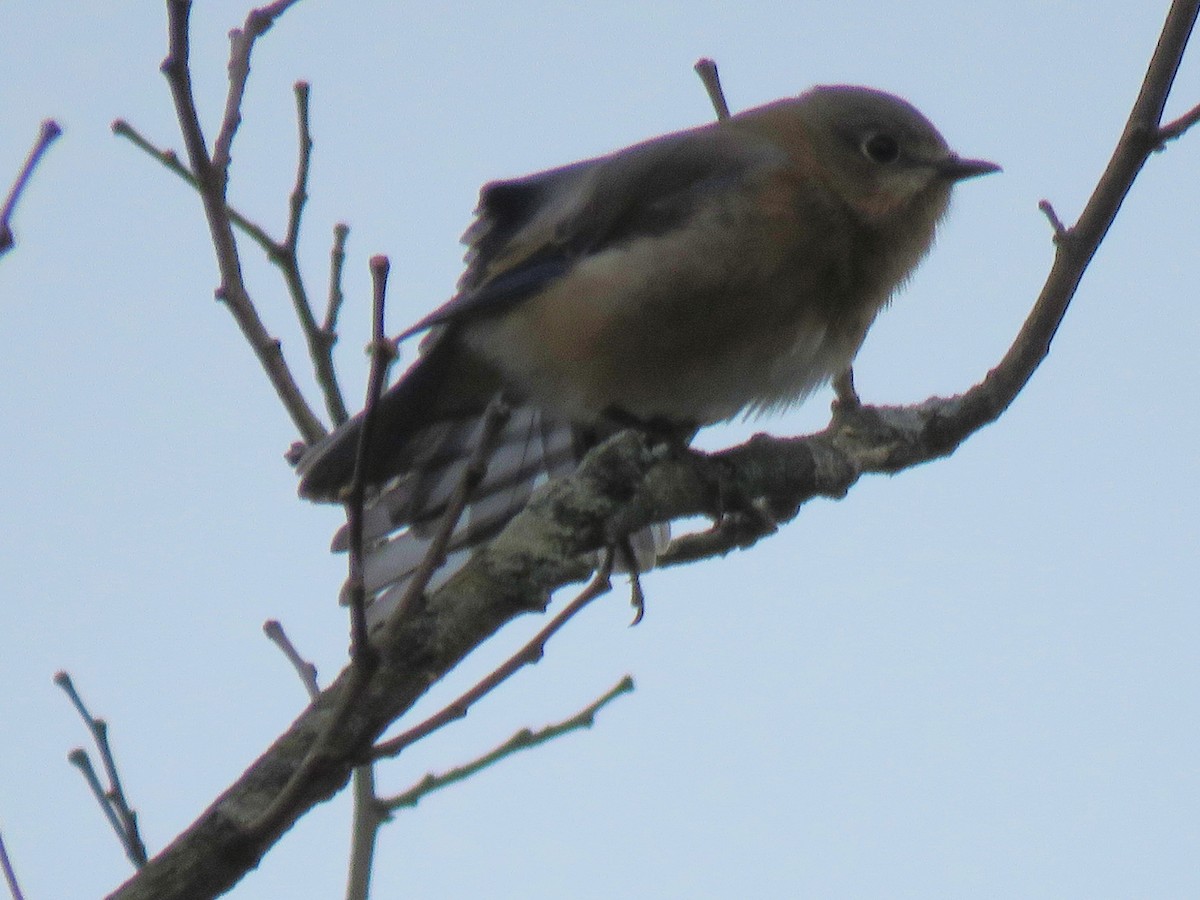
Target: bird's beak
[{"x": 955, "y": 168}]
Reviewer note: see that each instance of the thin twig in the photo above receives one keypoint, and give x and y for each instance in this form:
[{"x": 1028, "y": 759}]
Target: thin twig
[
  {"x": 527, "y": 655},
  {"x": 241, "y": 45},
  {"x": 319, "y": 755},
  {"x": 79, "y": 759},
  {"x": 364, "y": 658},
  {"x": 366, "y": 806},
  {"x": 211, "y": 175},
  {"x": 382, "y": 354},
  {"x": 324, "y": 370},
  {"x": 522, "y": 740},
  {"x": 337, "y": 259},
  {"x": 1177, "y": 127},
  {"x": 284, "y": 254},
  {"x": 707, "y": 70},
  {"x": 364, "y": 832},
  {"x": 320, "y": 340},
  {"x": 49, "y": 132},
  {"x": 169, "y": 159},
  {"x": 299, "y": 195},
  {"x": 1056, "y": 224},
  {"x": 112, "y": 799},
  {"x": 10, "y": 874},
  {"x": 273, "y": 629}
]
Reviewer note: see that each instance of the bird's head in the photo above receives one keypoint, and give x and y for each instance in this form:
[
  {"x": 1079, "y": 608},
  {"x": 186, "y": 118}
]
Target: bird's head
[{"x": 879, "y": 154}]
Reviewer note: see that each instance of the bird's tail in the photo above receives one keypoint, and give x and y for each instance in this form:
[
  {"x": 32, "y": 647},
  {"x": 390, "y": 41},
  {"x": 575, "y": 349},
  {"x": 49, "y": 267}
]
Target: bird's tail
[{"x": 403, "y": 515}]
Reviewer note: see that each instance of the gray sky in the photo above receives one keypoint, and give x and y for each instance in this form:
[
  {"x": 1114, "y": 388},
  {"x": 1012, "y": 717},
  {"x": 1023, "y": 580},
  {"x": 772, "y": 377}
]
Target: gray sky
[{"x": 977, "y": 678}]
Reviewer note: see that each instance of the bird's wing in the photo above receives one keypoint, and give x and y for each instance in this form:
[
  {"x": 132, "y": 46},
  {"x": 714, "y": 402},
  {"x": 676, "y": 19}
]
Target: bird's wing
[{"x": 532, "y": 231}]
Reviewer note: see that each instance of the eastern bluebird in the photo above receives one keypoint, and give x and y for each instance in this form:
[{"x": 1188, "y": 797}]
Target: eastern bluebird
[{"x": 727, "y": 269}]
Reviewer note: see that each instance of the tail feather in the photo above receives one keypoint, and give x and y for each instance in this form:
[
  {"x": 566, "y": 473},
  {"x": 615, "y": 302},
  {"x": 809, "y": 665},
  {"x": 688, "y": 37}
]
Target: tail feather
[{"x": 427, "y": 431}]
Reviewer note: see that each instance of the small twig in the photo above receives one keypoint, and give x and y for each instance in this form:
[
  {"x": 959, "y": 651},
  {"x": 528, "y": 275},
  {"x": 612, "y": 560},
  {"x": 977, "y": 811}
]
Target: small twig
[
  {"x": 10, "y": 874},
  {"x": 273, "y": 629},
  {"x": 364, "y": 832},
  {"x": 284, "y": 254},
  {"x": 364, "y": 658},
  {"x": 1060, "y": 230},
  {"x": 241, "y": 45},
  {"x": 211, "y": 175},
  {"x": 320, "y": 340},
  {"x": 112, "y": 799},
  {"x": 337, "y": 259},
  {"x": 324, "y": 369},
  {"x": 382, "y": 354},
  {"x": 1177, "y": 127},
  {"x": 527, "y": 655},
  {"x": 707, "y": 70},
  {"x": 80, "y": 760},
  {"x": 49, "y": 132},
  {"x": 299, "y": 195},
  {"x": 494, "y": 419},
  {"x": 169, "y": 159},
  {"x": 522, "y": 740}
]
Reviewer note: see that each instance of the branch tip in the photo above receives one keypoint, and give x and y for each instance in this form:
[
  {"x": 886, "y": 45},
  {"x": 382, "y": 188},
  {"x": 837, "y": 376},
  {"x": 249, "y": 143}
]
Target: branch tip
[
  {"x": 1056, "y": 224},
  {"x": 707, "y": 70}
]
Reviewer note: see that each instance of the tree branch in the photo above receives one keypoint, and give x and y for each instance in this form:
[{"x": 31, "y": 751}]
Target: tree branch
[
  {"x": 211, "y": 176},
  {"x": 522, "y": 740},
  {"x": 49, "y": 132},
  {"x": 10, "y": 874},
  {"x": 112, "y": 800},
  {"x": 529, "y": 654}
]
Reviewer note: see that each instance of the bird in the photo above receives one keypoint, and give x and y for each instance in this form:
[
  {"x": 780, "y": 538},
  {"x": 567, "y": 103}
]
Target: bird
[{"x": 729, "y": 269}]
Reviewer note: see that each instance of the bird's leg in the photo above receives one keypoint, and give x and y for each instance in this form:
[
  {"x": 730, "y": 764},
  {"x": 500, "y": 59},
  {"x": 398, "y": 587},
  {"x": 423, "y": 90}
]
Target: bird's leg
[
  {"x": 624, "y": 554},
  {"x": 675, "y": 434},
  {"x": 843, "y": 387}
]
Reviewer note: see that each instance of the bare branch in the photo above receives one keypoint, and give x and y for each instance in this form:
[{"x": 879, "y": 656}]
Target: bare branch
[
  {"x": 707, "y": 70},
  {"x": 320, "y": 339},
  {"x": 383, "y": 352},
  {"x": 1056, "y": 224},
  {"x": 364, "y": 658},
  {"x": 284, "y": 255},
  {"x": 211, "y": 176},
  {"x": 299, "y": 194},
  {"x": 241, "y": 45},
  {"x": 1176, "y": 128},
  {"x": 326, "y": 377},
  {"x": 170, "y": 160},
  {"x": 522, "y": 740},
  {"x": 112, "y": 800},
  {"x": 364, "y": 832},
  {"x": 49, "y": 132},
  {"x": 337, "y": 258},
  {"x": 10, "y": 874},
  {"x": 273, "y": 629},
  {"x": 527, "y": 655}
]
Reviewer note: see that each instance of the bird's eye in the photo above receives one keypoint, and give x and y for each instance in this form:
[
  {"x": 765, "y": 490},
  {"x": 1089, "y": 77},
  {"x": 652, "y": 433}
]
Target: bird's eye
[{"x": 881, "y": 148}]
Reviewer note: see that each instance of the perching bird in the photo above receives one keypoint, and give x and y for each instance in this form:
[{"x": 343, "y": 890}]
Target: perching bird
[{"x": 728, "y": 269}]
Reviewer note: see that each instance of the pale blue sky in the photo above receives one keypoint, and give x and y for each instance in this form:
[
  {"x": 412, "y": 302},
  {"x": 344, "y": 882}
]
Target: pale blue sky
[{"x": 976, "y": 679}]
